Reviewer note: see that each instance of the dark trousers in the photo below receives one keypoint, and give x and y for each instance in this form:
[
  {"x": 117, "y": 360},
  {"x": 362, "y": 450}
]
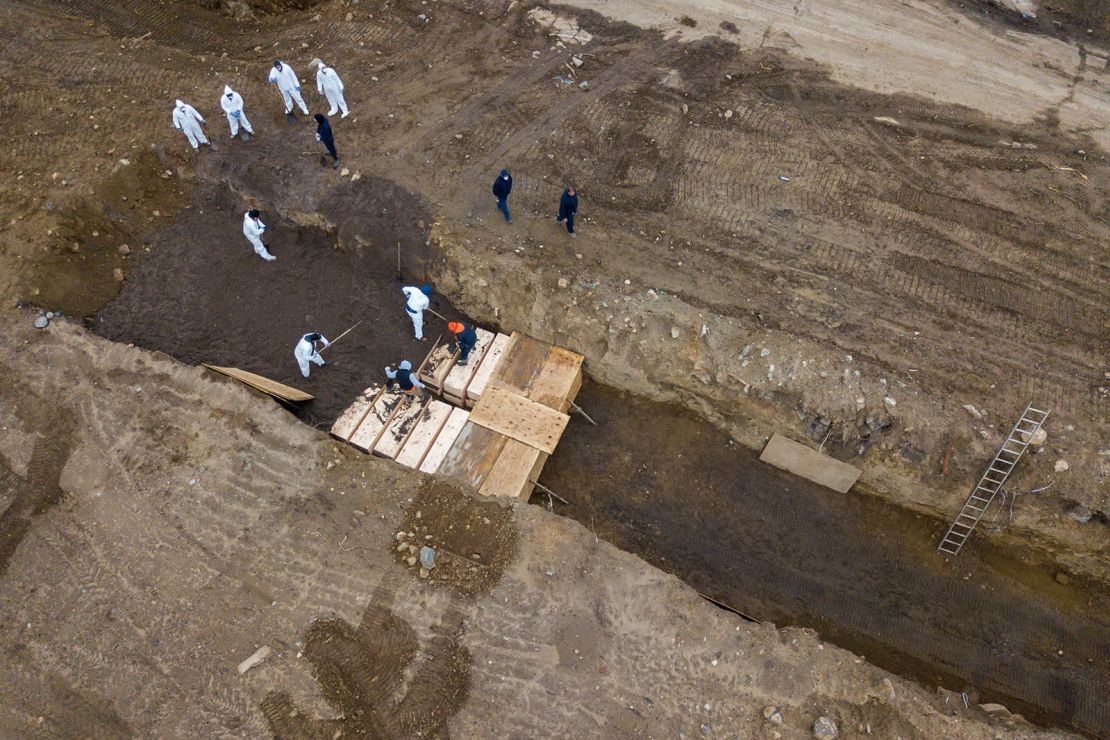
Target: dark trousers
[
  {"x": 503, "y": 206},
  {"x": 464, "y": 351},
  {"x": 570, "y": 223},
  {"x": 331, "y": 149}
]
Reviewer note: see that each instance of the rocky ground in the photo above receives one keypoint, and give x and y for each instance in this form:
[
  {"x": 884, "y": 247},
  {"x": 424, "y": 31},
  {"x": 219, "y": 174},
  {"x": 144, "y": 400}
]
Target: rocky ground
[{"x": 778, "y": 230}]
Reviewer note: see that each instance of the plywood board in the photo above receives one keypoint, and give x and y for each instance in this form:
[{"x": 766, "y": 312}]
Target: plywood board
[
  {"x": 353, "y": 415},
  {"x": 521, "y": 363},
  {"x": 513, "y": 472},
  {"x": 473, "y": 454},
  {"x": 786, "y": 454},
  {"x": 424, "y": 433},
  {"x": 559, "y": 380},
  {"x": 377, "y": 419},
  {"x": 520, "y": 418},
  {"x": 444, "y": 440},
  {"x": 394, "y": 436},
  {"x": 458, "y": 378},
  {"x": 436, "y": 366},
  {"x": 258, "y": 382},
  {"x": 490, "y": 361}
]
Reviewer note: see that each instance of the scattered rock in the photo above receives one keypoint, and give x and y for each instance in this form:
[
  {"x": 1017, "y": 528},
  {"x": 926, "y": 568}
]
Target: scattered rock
[
  {"x": 427, "y": 557},
  {"x": 764, "y": 352},
  {"x": 576, "y": 61},
  {"x": 124, "y": 250},
  {"x": 42, "y": 322},
  {"x": 424, "y": 572},
  {"x": 675, "y": 332},
  {"x": 1036, "y": 439},
  {"x": 344, "y": 172},
  {"x": 1081, "y": 514},
  {"x": 994, "y": 709},
  {"x": 973, "y": 411},
  {"x": 118, "y": 275},
  {"x": 685, "y": 109},
  {"x": 728, "y": 114},
  {"x": 824, "y": 728},
  {"x": 1062, "y": 578},
  {"x": 889, "y": 402},
  {"x": 1062, "y": 466},
  {"x": 772, "y": 714},
  {"x": 563, "y": 282},
  {"x": 255, "y": 658}
]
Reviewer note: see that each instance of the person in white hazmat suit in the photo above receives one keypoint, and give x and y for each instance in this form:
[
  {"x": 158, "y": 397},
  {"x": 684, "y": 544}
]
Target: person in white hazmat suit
[
  {"x": 232, "y": 103},
  {"x": 416, "y": 300},
  {"x": 306, "y": 351},
  {"x": 330, "y": 86},
  {"x": 282, "y": 75},
  {"x": 188, "y": 121},
  {"x": 253, "y": 229}
]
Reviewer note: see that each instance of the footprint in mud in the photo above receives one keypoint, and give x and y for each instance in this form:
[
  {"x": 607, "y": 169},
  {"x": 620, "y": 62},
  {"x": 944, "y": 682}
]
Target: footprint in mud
[{"x": 360, "y": 670}]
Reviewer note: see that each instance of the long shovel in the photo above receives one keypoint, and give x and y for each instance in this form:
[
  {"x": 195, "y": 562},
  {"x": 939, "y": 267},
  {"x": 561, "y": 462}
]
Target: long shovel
[{"x": 341, "y": 336}]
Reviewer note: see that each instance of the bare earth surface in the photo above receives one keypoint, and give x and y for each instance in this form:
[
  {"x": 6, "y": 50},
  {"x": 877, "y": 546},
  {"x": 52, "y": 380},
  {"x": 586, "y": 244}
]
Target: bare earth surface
[
  {"x": 840, "y": 219},
  {"x": 160, "y": 526}
]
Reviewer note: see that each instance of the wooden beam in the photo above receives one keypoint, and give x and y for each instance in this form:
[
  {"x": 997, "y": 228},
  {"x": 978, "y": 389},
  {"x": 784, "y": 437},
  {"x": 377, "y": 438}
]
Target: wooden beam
[
  {"x": 473, "y": 454},
  {"x": 520, "y": 418},
  {"x": 377, "y": 419},
  {"x": 424, "y": 434},
  {"x": 258, "y": 382},
  {"x": 513, "y": 472},
  {"x": 439, "y": 448},
  {"x": 353, "y": 415},
  {"x": 402, "y": 423},
  {"x": 560, "y": 379},
  {"x": 490, "y": 361},
  {"x": 459, "y": 377}
]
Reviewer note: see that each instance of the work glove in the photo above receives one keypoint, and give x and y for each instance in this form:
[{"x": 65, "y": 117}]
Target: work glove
[
  {"x": 298, "y": 88},
  {"x": 317, "y": 137},
  {"x": 236, "y": 113}
]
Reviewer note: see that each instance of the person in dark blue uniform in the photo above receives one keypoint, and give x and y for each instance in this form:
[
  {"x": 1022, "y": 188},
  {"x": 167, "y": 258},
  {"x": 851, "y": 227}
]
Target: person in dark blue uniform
[
  {"x": 568, "y": 206},
  {"x": 502, "y": 186},
  {"x": 464, "y": 338},
  {"x": 324, "y": 135}
]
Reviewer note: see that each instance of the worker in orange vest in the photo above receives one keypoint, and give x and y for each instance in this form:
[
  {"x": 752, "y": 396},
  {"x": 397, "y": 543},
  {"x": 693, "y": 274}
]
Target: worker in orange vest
[{"x": 464, "y": 338}]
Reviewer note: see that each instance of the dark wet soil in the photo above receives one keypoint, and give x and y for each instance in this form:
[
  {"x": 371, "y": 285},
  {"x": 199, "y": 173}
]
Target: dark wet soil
[
  {"x": 658, "y": 482},
  {"x": 202, "y": 295}
]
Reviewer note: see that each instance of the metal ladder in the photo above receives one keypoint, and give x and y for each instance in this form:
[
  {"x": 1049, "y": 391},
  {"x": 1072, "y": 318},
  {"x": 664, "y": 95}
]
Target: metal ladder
[{"x": 991, "y": 483}]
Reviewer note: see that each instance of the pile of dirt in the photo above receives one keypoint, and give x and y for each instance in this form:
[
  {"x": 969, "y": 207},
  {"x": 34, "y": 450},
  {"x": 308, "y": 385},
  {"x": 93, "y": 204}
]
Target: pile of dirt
[{"x": 472, "y": 540}]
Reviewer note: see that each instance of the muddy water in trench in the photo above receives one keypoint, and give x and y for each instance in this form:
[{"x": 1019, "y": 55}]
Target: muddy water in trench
[{"x": 658, "y": 482}]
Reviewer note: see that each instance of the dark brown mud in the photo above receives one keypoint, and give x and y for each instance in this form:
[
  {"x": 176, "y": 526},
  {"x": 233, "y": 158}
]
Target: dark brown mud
[
  {"x": 660, "y": 483},
  {"x": 202, "y": 295}
]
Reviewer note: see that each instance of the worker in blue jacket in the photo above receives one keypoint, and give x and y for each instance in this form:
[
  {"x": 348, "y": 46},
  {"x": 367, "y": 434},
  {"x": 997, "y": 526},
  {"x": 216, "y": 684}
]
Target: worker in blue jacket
[
  {"x": 464, "y": 338},
  {"x": 325, "y": 137},
  {"x": 502, "y": 186},
  {"x": 568, "y": 206}
]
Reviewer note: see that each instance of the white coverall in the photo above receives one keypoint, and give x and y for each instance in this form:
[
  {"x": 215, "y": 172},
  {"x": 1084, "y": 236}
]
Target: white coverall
[
  {"x": 330, "y": 86},
  {"x": 187, "y": 120},
  {"x": 289, "y": 86},
  {"x": 232, "y": 103},
  {"x": 253, "y": 230},
  {"x": 415, "y": 303},
  {"x": 306, "y": 352}
]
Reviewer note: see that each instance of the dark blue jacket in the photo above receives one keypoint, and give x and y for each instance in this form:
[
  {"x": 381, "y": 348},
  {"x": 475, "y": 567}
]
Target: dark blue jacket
[
  {"x": 502, "y": 187},
  {"x": 568, "y": 205},
  {"x": 467, "y": 338},
  {"x": 323, "y": 130}
]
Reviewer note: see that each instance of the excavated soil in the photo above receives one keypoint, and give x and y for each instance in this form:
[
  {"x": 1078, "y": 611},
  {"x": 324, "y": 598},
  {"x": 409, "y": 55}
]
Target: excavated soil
[
  {"x": 199, "y": 293},
  {"x": 758, "y": 242},
  {"x": 665, "y": 485}
]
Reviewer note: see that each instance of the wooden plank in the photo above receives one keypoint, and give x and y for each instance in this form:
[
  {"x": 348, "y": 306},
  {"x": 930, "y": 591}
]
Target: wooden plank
[
  {"x": 258, "y": 382},
  {"x": 400, "y": 426},
  {"x": 521, "y": 363},
  {"x": 513, "y": 472},
  {"x": 523, "y": 419},
  {"x": 560, "y": 379},
  {"x": 473, "y": 454},
  {"x": 436, "y": 366},
  {"x": 377, "y": 419},
  {"x": 786, "y": 454},
  {"x": 353, "y": 415},
  {"x": 424, "y": 434},
  {"x": 444, "y": 440},
  {"x": 459, "y": 377},
  {"x": 490, "y": 361}
]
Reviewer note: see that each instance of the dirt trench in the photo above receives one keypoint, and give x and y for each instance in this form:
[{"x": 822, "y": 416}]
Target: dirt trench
[{"x": 659, "y": 482}]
